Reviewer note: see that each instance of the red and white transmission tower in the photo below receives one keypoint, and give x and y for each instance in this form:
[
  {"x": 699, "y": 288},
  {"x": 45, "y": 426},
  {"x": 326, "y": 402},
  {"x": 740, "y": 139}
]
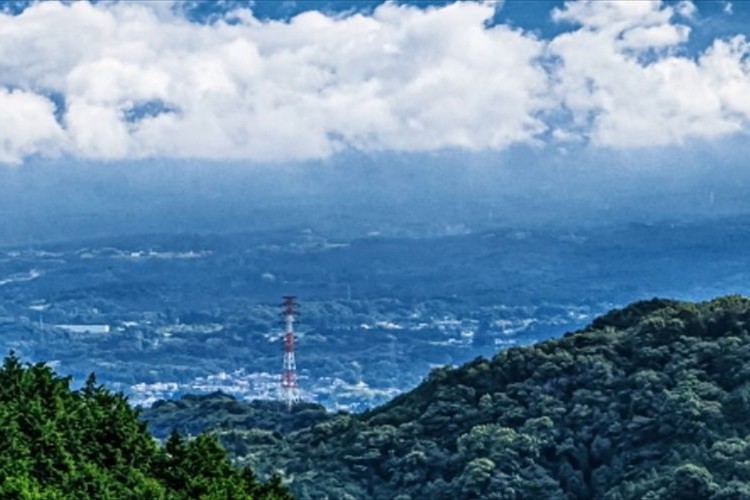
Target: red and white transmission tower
[{"x": 289, "y": 387}]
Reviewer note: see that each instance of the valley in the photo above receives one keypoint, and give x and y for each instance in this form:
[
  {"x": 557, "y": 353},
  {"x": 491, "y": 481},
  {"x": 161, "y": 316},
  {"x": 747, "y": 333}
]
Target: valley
[{"x": 159, "y": 316}]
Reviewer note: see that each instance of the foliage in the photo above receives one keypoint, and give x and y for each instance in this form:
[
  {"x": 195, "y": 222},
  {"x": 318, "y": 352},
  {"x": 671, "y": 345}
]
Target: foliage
[
  {"x": 651, "y": 401},
  {"x": 196, "y": 413},
  {"x": 58, "y": 443}
]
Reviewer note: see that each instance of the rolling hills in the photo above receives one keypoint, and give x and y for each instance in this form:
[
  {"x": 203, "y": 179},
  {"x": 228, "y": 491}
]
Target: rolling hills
[{"x": 649, "y": 401}]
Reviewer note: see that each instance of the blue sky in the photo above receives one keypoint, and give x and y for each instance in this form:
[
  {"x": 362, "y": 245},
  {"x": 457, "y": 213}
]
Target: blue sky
[
  {"x": 268, "y": 81},
  {"x": 712, "y": 19},
  {"x": 532, "y": 15}
]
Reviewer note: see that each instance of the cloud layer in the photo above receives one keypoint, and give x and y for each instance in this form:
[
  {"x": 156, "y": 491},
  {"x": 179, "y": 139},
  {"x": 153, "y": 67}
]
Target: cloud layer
[{"x": 136, "y": 80}]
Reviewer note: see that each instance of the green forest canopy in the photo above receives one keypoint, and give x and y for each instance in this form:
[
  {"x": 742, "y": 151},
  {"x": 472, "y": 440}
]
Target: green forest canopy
[
  {"x": 650, "y": 401},
  {"x": 56, "y": 443}
]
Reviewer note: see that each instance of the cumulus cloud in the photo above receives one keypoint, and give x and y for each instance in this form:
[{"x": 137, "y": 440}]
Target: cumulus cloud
[
  {"x": 621, "y": 77},
  {"x": 139, "y": 80},
  {"x": 402, "y": 78},
  {"x": 27, "y": 126}
]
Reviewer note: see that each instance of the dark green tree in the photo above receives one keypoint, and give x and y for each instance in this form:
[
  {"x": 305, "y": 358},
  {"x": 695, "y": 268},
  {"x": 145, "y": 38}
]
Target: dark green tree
[{"x": 56, "y": 443}]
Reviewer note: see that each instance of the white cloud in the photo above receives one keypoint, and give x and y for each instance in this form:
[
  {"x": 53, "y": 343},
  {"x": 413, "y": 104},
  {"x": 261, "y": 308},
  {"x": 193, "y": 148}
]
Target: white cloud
[
  {"x": 403, "y": 78},
  {"x": 27, "y": 126},
  {"x": 139, "y": 80},
  {"x": 625, "y": 86},
  {"x": 686, "y": 9},
  {"x": 612, "y": 16},
  {"x": 654, "y": 37}
]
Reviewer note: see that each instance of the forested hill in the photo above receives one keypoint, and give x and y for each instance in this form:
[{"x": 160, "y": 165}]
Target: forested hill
[
  {"x": 651, "y": 401},
  {"x": 196, "y": 413},
  {"x": 56, "y": 443}
]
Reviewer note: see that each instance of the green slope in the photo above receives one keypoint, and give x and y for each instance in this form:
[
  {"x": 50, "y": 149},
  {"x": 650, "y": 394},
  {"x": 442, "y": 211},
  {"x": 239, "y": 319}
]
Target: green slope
[
  {"x": 196, "y": 413},
  {"x": 651, "y": 401},
  {"x": 56, "y": 443}
]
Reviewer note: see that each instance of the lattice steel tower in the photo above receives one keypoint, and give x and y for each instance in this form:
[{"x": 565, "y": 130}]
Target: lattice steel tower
[{"x": 289, "y": 387}]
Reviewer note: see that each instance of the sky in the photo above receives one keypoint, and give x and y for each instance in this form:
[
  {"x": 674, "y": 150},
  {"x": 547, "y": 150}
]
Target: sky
[
  {"x": 277, "y": 82},
  {"x": 208, "y": 116}
]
